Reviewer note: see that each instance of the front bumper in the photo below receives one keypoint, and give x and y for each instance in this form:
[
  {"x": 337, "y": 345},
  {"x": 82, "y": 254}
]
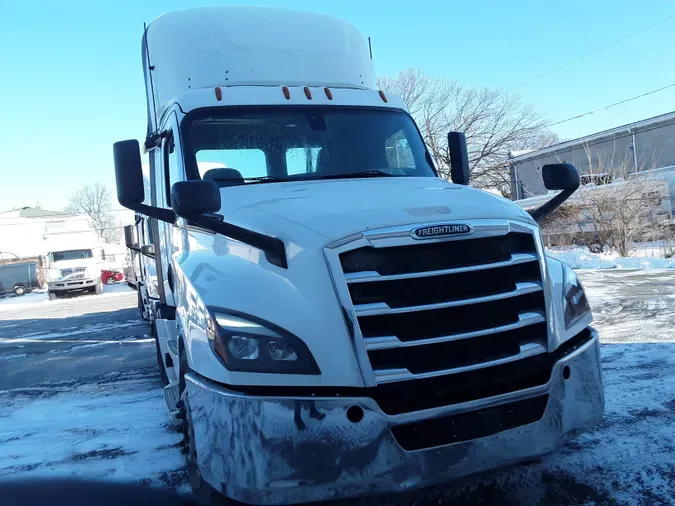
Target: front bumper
[
  {"x": 280, "y": 450},
  {"x": 75, "y": 284}
]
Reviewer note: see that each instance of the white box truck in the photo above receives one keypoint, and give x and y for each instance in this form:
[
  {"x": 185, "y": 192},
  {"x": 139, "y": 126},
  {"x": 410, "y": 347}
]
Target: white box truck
[
  {"x": 334, "y": 319},
  {"x": 74, "y": 270}
]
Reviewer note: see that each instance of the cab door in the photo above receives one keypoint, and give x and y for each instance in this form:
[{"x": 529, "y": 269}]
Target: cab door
[{"x": 170, "y": 170}]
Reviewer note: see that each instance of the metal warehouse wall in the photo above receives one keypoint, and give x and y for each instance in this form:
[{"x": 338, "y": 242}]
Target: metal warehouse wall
[{"x": 655, "y": 145}]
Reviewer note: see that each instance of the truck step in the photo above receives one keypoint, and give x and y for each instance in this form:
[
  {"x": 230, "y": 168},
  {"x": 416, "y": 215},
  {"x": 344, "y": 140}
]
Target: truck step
[
  {"x": 171, "y": 397},
  {"x": 173, "y": 346}
]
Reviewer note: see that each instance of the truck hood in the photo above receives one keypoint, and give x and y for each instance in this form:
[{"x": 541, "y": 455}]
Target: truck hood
[{"x": 339, "y": 208}]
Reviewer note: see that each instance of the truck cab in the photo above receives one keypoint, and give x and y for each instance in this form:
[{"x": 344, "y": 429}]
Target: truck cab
[
  {"x": 334, "y": 319},
  {"x": 75, "y": 270},
  {"x": 141, "y": 272}
]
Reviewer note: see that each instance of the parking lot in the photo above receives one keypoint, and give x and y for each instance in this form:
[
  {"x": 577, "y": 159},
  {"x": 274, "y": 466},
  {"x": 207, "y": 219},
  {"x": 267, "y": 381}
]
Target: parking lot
[{"x": 80, "y": 395}]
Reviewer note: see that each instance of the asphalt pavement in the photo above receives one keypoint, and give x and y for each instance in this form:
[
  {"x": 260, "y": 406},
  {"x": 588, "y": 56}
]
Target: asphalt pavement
[{"x": 73, "y": 339}]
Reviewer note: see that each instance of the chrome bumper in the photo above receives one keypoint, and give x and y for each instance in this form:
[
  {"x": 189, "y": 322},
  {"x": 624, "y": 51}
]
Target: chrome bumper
[
  {"x": 281, "y": 450},
  {"x": 75, "y": 284}
]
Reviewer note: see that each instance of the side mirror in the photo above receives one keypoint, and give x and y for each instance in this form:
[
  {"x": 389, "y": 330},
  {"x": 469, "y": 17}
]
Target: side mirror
[
  {"x": 128, "y": 173},
  {"x": 557, "y": 176},
  {"x": 459, "y": 160},
  {"x": 129, "y": 238},
  {"x": 194, "y": 198},
  {"x": 560, "y": 176},
  {"x": 148, "y": 250},
  {"x": 129, "y": 178}
]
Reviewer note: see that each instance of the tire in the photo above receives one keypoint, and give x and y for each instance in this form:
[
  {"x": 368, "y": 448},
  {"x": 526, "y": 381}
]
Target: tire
[
  {"x": 109, "y": 280},
  {"x": 160, "y": 362},
  {"x": 204, "y": 492},
  {"x": 53, "y": 296},
  {"x": 98, "y": 289},
  {"x": 19, "y": 290}
]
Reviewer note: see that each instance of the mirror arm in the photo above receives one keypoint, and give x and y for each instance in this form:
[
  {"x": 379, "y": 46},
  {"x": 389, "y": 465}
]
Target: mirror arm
[
  {"x": 274, "y": 248},
  {"x": 548, "y": 207},
  {"x": 161, "y": 214}
]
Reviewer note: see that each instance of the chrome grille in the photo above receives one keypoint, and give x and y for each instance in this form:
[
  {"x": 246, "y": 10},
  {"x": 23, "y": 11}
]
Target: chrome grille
[
  {"x": 432, "y": 308},
  {"x": 73, "y": 273}
]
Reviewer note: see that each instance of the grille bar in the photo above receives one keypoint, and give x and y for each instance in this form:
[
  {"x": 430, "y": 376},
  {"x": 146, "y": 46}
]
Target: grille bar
[
  {"x": 444, "y": 309},
  {"x": 381, "y": 308},
  {"x": 369, "y": 276},
  {"x": 526, "y": 351},
  {"x": 390, "y": 342},
  {"x": 73, "y": 273}
]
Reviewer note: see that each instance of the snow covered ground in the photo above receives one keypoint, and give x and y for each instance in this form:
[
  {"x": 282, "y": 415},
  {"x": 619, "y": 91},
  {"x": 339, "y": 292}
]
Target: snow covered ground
[
  {"x": 80, "y": 395},
  {"x": 115, "y": 427},
  {"x": 30, "y": 299},
  {"x": 580, "y": 258}
]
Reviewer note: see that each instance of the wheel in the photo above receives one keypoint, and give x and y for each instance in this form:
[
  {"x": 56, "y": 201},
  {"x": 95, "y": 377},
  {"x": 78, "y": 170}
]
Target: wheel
[
  {"x": 158, "y": 352},
  {"x": 19, "y": 290},
  {"x": 109, "y": 280},
  {"x": 52, "y": 296},
  {"x": 98, "y": 289},
  {"x": 204, "y": 492}
]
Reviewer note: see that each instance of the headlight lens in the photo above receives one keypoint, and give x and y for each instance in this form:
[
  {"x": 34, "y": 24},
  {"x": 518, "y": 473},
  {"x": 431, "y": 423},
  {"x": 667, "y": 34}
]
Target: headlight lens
[
  {"x": 574, "y": 299},
  {"x": 54, "y": 274},
  {"x": 257, "y": 346}
]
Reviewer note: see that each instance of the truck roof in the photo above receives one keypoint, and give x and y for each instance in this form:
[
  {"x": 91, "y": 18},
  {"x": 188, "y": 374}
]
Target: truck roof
[{"x": 235, "y": 46}]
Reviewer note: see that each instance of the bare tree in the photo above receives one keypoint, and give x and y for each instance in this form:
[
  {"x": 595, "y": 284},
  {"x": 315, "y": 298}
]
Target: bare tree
[
  {"x": 561, "y": 227},
  {"x": 95, "y": 200},
  {"x": 494, "y": 121},
  {"x": 627, "y": 209}
]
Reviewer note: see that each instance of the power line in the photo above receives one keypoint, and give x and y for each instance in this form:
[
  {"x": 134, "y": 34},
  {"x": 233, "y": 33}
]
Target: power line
[
  {"x": 610, "y": 106},
  {"x": 593, "y": 52}
]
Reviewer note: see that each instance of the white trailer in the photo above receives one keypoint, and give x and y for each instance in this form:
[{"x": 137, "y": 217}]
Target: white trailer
[{"x": 334, "y": 319}]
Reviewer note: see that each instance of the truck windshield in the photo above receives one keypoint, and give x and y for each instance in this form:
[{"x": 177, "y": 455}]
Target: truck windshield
[
  {"x": 287, "y": 144},
  {"x": 76, "y": 254}
]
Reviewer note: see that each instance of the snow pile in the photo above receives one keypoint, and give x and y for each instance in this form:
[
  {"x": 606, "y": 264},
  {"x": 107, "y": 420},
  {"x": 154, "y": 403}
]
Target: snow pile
[{"x": 580, "y": 258}]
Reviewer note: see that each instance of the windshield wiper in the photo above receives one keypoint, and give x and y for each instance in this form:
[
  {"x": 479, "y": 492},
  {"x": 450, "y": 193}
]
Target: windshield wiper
[
  {"x": 363, "y": 173},
  {"x": 265, "y": 179}
]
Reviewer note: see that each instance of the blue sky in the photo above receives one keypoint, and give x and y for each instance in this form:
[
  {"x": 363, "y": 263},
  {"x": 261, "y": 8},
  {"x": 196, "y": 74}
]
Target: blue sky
[{"x": 71, "y": 79}]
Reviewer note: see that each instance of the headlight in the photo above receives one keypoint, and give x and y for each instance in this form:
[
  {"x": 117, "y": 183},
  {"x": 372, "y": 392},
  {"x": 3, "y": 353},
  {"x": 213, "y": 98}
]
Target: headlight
[
  {"x": 54, "y": 274},
  {"x": 575, "y": 303},
  {"x": 257, "y": 346}
]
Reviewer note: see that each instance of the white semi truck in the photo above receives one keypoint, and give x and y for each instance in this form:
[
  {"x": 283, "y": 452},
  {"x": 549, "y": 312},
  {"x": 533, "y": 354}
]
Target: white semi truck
[
  {"x": 334, "y": 319},
  {"x": 73, "y": 270}
]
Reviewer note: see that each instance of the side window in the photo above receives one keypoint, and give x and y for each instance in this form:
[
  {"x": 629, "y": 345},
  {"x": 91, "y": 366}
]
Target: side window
[
  {"x": 248, "y": 162},
  {"x": 399, "y": 154},
  {"x": 301, "y": 160}
]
